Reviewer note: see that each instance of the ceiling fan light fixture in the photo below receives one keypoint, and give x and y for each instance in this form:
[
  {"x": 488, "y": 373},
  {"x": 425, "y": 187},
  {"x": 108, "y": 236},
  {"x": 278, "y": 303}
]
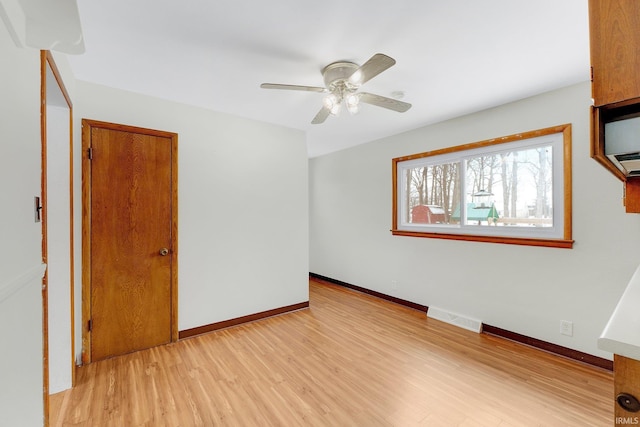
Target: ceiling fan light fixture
[
  {"x": 353, "y": 103},
  {"x": 333, "y": 103},
  {"x": 352, "y": 99},
  {"x": 330, "y": 101}
]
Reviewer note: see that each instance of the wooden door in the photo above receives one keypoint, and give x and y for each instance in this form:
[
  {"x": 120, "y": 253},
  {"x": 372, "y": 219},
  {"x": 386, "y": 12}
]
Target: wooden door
[{"x": 130, "y": 193}]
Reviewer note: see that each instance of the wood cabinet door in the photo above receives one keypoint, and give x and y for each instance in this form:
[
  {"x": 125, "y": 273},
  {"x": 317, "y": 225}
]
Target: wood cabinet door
[
  {"x": 626, "y": 380},
  {"x": 615, "y": 50},
  {"x": 131, "y": 241}
]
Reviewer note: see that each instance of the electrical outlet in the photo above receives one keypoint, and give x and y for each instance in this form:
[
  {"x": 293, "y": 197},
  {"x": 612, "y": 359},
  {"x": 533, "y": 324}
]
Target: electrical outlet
[
  {"x": 394, "y": 285},
  {"x": 566, "y": 328}
]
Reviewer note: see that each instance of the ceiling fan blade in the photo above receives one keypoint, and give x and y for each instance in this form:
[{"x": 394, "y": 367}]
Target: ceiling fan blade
[
  {"x": 321, "y": 116},
  {"x": 384, "y": 102},
  {"x": 293, "y": 87},
  {"x": 374, "y": 66}
]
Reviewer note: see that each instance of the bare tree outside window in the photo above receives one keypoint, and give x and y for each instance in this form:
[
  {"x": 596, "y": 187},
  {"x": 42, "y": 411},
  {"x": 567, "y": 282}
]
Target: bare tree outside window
[{"x": 434, "y": 185}]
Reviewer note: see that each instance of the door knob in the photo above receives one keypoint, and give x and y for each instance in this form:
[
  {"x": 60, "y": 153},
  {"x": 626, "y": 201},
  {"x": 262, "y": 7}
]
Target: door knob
[{"x": 164, "y": 251}]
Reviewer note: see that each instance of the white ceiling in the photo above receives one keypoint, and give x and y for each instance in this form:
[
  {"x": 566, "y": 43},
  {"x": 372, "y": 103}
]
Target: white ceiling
[{"x": 453, "y": 57}]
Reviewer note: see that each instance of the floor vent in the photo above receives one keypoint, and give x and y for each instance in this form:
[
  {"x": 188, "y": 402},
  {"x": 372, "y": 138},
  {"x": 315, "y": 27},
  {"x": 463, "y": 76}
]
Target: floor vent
[{"x": 455, "y": 319}]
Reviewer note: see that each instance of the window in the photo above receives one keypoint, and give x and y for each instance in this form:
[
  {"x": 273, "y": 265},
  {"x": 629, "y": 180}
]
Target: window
[{"x": 515, "y": 189}]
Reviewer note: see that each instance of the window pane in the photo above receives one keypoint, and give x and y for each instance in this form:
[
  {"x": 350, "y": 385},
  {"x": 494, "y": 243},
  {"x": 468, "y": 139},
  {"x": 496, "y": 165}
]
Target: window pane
[
  {"x": 432, "y": 193},
  {"x": 511, "y": 189},
  {"x": 514, "y": 189}
]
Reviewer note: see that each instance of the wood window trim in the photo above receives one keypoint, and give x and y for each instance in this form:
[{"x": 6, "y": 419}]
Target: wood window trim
[{"x": 565, "y": 242}]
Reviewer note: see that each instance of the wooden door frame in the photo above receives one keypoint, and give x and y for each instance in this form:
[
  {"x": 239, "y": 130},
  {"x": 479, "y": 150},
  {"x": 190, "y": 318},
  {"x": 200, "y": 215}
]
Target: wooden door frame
[
  {"x": 87, "y": 126},
  {"x": 47, "y": 62}
]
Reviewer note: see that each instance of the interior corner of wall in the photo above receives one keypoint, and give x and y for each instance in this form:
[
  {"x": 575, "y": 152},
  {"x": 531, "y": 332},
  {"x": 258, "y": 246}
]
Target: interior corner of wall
[
  {"x": 44, "y": 25},
  {"x": 60, "y": 31},
  {"x": 28, "y": 277},
  {"x": 14, "y": 20}
]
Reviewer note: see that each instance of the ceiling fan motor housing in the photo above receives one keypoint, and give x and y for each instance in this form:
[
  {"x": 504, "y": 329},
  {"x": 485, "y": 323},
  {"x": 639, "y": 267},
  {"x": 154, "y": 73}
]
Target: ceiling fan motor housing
[{"x": 338, "y": 73}]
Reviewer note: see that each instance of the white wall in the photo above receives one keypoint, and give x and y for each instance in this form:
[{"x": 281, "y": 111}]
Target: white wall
[
  {"x": 21, "y": 382},
  {"x": 58, "y": 241},
  {"x": 243, "y": 205},
  {"x": 523, "y": 289}
]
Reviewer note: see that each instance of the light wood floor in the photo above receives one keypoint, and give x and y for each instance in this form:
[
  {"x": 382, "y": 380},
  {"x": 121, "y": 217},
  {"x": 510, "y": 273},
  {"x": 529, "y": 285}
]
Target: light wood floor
[{"x": 348, "y": 360}]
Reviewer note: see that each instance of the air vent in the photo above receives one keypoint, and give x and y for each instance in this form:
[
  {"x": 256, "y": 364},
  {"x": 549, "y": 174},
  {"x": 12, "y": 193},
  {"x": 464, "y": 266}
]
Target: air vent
[{"x": 455, "y": 319}]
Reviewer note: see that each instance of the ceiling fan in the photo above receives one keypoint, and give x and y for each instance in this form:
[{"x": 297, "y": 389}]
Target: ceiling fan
[{"x": 342, "y": 80}]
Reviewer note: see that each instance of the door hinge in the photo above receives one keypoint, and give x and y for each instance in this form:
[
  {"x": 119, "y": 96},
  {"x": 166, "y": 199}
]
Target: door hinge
[
  {"x": 591, "y": 74},
  {"x": 89, "y": 325},
  {"x": 90, "y": 153}
]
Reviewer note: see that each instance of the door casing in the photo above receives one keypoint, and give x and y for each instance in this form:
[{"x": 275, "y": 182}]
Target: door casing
[{"x": 50, "y": 77}]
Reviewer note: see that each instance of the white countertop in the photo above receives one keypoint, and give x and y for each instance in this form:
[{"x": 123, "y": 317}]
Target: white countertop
[{"x": 622, "y": 333}]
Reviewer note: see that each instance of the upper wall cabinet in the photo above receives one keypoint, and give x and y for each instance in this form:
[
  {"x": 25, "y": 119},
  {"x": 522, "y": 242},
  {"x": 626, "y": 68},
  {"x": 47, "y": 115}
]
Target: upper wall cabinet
[
  {"x": 614, "y": 27},
  {"x": 615, "y": 50}
]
